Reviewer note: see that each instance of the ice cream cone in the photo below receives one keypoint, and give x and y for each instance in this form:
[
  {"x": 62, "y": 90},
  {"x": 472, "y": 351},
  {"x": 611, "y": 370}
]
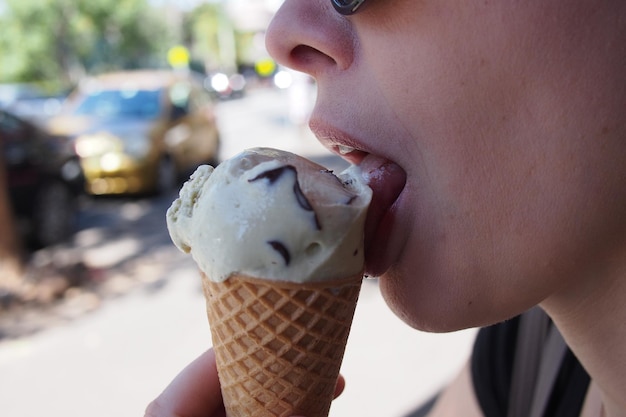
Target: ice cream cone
[
  {"x": 270, "y": 231},
  {"x": 279, "y": 345}
]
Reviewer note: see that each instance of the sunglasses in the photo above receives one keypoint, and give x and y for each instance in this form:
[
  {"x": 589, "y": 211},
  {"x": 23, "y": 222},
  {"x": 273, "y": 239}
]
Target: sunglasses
[{"x": 347, "y": 7}]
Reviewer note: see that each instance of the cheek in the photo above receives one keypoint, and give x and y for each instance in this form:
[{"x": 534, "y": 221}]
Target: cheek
[
  {"x": 516, "y": 191},
  {"x": 498, "y": 228}
]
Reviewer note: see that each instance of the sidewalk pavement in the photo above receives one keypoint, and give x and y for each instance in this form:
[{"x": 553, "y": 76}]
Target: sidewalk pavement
[{"x": 115, "y": 360}]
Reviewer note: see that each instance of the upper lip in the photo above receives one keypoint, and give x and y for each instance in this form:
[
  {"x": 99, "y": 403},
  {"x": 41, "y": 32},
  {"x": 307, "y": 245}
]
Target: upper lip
[{"x": 338, "y": 141}]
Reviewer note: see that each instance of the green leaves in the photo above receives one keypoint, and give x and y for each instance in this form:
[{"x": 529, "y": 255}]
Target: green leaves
[{"x": 63, "y": 39}]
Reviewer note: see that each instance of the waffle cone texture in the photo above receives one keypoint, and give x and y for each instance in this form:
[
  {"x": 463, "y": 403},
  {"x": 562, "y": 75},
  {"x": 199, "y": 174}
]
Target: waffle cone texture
[{"x": 279, "y": 346}]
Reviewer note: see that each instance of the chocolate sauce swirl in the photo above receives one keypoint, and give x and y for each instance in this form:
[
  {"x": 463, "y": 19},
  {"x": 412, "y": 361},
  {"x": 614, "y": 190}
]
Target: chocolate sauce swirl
[
  {"x": 274, "y": 175},
  {"x": 282, "y": 250}
]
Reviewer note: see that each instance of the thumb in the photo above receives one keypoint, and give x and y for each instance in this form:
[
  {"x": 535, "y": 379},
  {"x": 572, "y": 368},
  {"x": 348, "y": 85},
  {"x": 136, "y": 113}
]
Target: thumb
[{"x": 341, "y": 385}]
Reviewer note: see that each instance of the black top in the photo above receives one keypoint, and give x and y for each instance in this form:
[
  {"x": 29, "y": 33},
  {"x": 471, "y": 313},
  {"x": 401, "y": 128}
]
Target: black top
[{"x": 492, "y": 365}]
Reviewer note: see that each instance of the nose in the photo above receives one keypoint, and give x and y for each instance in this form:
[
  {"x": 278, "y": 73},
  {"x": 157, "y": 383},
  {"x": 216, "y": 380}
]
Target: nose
[{"x": 311, "y": 37}]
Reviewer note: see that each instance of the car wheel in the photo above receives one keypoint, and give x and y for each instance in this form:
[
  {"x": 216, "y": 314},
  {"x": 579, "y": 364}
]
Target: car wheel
[
  {"x": 54, "y": 214},
  {"x": 166, "y": 176}
]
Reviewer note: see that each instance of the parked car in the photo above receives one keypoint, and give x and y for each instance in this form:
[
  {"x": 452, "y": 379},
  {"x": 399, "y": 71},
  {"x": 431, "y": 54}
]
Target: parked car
[
  {"x": 139, "y": 131},
  {"x": 44, "y": 180},
  {"x": 30, "y": 102},
  {"x": 12, "y": 92}
]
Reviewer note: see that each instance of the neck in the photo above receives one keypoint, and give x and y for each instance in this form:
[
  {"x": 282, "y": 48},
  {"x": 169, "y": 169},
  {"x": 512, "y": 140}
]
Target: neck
[{"x": 591, "y": 315}]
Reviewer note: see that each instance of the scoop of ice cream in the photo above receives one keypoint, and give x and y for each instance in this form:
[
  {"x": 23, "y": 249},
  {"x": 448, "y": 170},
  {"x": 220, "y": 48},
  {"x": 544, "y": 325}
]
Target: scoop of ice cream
[{"x": 272, "y": 214}]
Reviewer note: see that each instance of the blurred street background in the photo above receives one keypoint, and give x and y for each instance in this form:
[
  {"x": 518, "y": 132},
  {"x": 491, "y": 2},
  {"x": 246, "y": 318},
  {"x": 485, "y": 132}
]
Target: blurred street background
[{"x": 97, "y": 316}]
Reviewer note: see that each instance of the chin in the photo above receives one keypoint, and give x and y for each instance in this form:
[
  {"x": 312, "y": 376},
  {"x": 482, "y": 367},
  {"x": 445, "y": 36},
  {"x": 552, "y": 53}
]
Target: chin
[
  {"x": 406, "y": 300},
  {"x": 434, "y": 304}
]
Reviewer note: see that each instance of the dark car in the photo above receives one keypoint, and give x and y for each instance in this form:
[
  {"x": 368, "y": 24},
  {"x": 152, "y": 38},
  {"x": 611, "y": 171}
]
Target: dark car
[
  {"x": 30, "y": 102},
  {"x": 44, "y": 180}
]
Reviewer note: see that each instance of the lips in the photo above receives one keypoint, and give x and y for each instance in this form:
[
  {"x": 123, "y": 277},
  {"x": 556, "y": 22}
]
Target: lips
[{"x": 386, "y": 179}]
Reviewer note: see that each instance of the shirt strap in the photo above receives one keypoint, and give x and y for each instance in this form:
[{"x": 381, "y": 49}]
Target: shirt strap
[{"x": 539, "y": 352}]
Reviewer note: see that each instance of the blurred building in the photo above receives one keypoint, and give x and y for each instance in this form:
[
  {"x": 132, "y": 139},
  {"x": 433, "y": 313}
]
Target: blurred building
[
  {"x": 236, "y": 39},
  {"x": 251, "y": 15}
]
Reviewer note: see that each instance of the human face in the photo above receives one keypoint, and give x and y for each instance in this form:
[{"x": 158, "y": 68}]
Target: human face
[{"x": 493, "y": 135}]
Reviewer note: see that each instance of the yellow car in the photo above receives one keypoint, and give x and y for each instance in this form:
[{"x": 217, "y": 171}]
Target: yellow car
[{"x": 139, "y": 131}]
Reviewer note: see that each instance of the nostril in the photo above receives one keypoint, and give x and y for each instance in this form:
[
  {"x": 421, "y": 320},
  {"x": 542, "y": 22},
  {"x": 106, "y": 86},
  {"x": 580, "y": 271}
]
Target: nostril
[
  {"x": 305, "y": 58},
  {"x": 311, "y": 37}
]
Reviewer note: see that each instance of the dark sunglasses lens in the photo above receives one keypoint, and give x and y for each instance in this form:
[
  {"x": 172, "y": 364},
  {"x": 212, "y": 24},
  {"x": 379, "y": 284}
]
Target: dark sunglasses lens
[{"x": 347, "y": 7}]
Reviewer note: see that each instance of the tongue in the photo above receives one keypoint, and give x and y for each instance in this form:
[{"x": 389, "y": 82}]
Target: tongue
[{"x": 386, "y": 180}]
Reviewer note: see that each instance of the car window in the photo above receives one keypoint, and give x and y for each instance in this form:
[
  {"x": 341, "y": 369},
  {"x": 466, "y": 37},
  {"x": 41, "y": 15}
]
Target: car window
[
  {"x": 20, "y": 141},
  {"x": 9, "y": 124},
  {"x": 130, "y": 103}
]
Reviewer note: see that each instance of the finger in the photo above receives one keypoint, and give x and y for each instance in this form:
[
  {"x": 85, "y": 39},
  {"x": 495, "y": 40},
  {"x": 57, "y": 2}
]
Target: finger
[
  {"x": 195, "y": 392},
  {"x": 341, "y": 384}
]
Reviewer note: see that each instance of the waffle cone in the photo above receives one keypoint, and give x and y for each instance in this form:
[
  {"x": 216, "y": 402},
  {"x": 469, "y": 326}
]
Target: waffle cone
[{"x": 279, "y": 346}]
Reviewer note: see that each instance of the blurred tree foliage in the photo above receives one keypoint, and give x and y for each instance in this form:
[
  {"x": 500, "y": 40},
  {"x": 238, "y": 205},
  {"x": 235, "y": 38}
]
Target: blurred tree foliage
[
  {"x": 214, "y": 39},
  {"x": 201, "y": 30},
  {"x": 60, "y": 40}
]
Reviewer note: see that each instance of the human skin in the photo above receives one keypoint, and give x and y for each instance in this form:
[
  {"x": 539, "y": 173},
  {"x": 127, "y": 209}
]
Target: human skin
[
  {"x": 506, "y": 124},
  {"x": 494, "y": 137},
  {"x": 507, "y": 119},
  {"x": 195, "y": 392}
]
